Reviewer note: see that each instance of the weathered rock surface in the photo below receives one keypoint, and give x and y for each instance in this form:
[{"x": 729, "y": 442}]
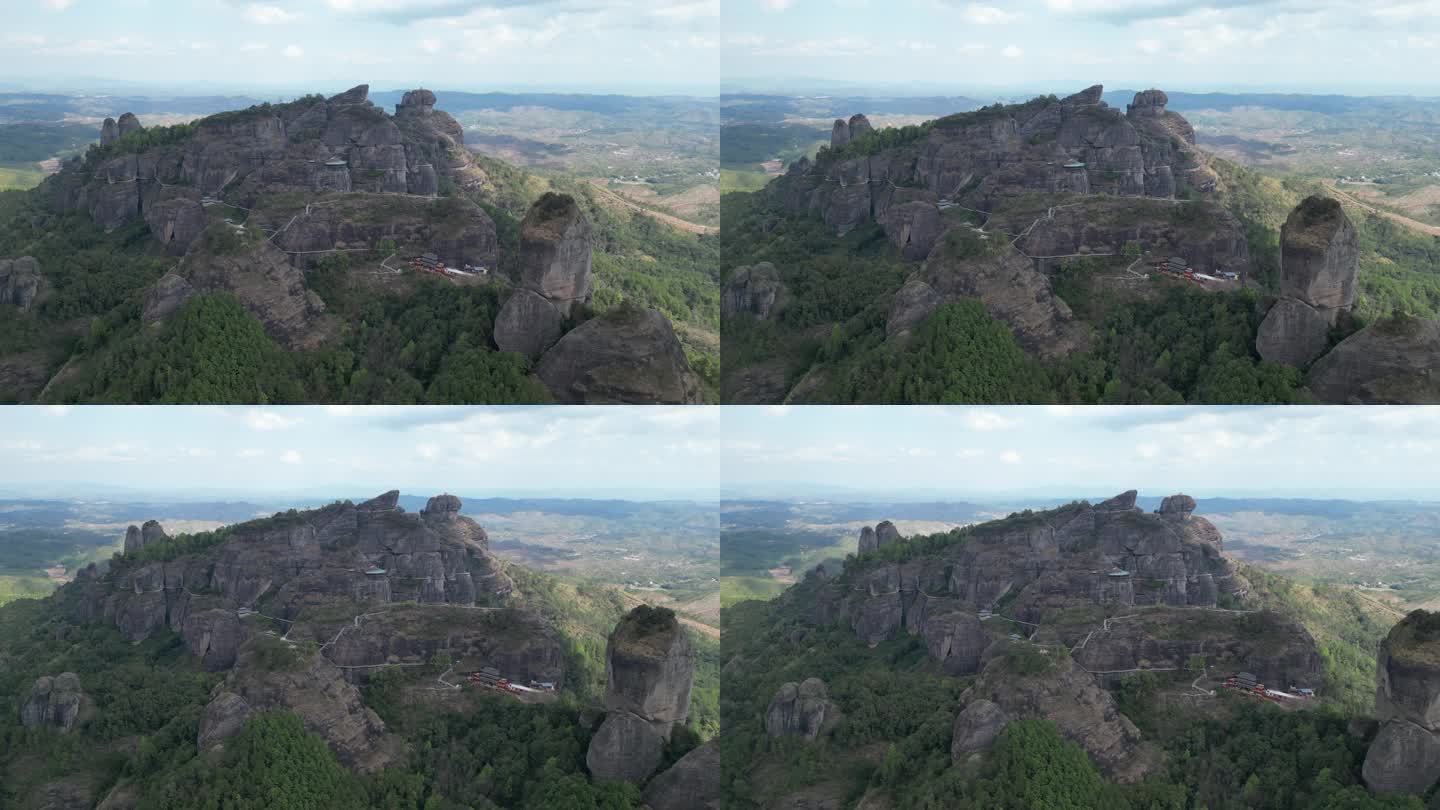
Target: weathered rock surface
[
  {"x": 1405, "y": 756},
  {"x": 1319, "y": 257},
  {"x": 648, "y": 669},
  {"x": 625, "y": 749},
  {"x": 1007, "y": 283},
  {"x": 867, "y": 540},
  {"x": 165, "y": 297},
  {"x": 648, "y": 673},
  {"x": 527, "y": 323},
  {"x": 20, "y": 282},
  {"x": 316, "y": 692},
  {"x": 885, "y": 533},
  {"x": 268, "y": 285},
  {"x": 751, "y": 291},
  {"x": 912, "y": 223},
  {"x": 1068, "y": 696},
  {"x": 802, "y": 709},
  {"x": 127, "y": 124},
  {"x": 1177, "y": 507},
  {"x": 455, "y": 229},
  {"x": 213, "y": 636},
  {"x": 693, "y": 783},
  {"x": 109, "y": 131},
  {"x": 176, "y": 223},
  {"x": 839, "y": 134},
  {"x": 625, "y": 356},
  {"x": 555, "y": 252},
  {"x": 859, "y": 125},
  {"x": 976, "y": 727},
  {"x": 1293, "y": 333},
  {"x": 151, "y": 531},
  {"x": 1396, "y": 361},
  {"x": 57, "y": 703}
]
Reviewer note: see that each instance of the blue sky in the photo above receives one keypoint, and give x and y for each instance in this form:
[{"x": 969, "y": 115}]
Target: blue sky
[
  {"x": 928, "y": 452},
  {"x": 202, "y": 452},
  {"x": 1327, "y": 46},
  {"x": 329, "y": 45}
]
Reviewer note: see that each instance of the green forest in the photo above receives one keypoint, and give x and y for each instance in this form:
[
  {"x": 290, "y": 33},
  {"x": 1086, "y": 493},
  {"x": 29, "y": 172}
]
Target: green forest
[
  {"x": 897, "y": 710},
  {"x": 1181, "y": 346}
]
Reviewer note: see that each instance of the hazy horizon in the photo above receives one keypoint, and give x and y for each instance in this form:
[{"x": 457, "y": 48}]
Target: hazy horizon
[
  {"x": 1317, "y": 46},
  {"x": 977, "y": 452},
  {"x": 312, "y": 44},
  {"x": 306, "y": 452}
]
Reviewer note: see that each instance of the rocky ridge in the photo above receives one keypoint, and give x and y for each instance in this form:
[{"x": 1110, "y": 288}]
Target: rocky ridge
[{"x": 1159, "y": 577}]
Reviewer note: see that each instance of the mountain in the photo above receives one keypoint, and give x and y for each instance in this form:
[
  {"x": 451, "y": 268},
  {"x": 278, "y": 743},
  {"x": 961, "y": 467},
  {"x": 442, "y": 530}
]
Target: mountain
[
  {"x": 346, "y": 631},
  {"x": 1091, "y": 643},
  {"x": 1055, "y": 250},
  {"x": 296, "y": 232}
]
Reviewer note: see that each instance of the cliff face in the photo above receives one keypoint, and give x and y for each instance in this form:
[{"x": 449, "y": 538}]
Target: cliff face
[
  {"x": 1036, "y": 146},
  {"x": 1319, "y": 257},
  {"x": 648, "y": 678},
  {"x": 1405, "y": 756},
  {"x": 1393, "y": 362}
]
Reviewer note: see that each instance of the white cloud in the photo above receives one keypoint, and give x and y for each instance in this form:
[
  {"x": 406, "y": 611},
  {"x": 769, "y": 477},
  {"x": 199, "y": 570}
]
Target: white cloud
[
  {"x": 1010, "y": 457},
  {"x": 257, "y": 419},
  {"x": 197, "y": 452},
  {"x": 775, "y": 5},
  {"x": 294, "y": 51},
  {"x": 1012, "y": 52},
  {"x": 969, "y": 452},
  {"x": 1149, "y": 45},
  {"x": 250, "y": 452},
  {"x": 977, "y": 419},
  {"x": 253, "y": 47},
  {"x": 977, "y": 14},
  {"x": 431, "y": 45},
  {"x": 268, "y": 15},
  {"x": 58, "y": 5},
  {"x": 291, "y": 457},
  {"x": 429, "y": 452}
]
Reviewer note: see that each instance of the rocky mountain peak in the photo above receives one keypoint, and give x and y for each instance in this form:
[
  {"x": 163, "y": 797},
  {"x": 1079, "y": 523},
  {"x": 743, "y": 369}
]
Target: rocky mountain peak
[
  {"x": 384, "y": 502},
  {"x": 1319, "y": 259},
  {"x": 1405, "y": 756},
  {"x": 1149, "y": 103},
  {"x": 127, "y": 124},
  {"x": 1125, "y": 501},
  {"x": 1177, "y": 507},
  {"x": 839, "y": 134},
  {"x": 1094, "y": 94},
  {"x": 442, "y": 507},
  {"x": 648, "y": 679},
  {"x": 359, "y": 94},
  {"x": 555, "y": 252},
  {"x": 109, "y": 131},
  {"x": 859, "y": 125},
  {"x": 417, "y": 101}
]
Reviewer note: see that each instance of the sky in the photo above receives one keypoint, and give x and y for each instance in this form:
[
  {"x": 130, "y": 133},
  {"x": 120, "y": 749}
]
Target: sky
[
  {"x": 959, "y": 452},
  {"x": 1314, "y": 46},
  {"x": 637, "y": 46},
  {"x": 197, "y": 453}
]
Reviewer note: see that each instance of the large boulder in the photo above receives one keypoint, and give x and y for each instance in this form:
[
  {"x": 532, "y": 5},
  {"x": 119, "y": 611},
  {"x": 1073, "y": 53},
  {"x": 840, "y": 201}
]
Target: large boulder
[
  {"x": 57, "y": 703},
  {"x": 839, "y": 134},
  {"x": 1177, "y": 507},
  {"x": 444, "y": 507},
  {"x": 750, "y": 291},
  {"x": 127, "y": 124},
  {"x": 803, "y": 709},
  {"x": 886, "y": 533},
  {"x": 1293, "y": 333},
  {"x": 625, "y": 749},
  {"x": 625, "y": 356},
  {"x": 133, "y": 542},
  {"x": 977, "y": 725},
  {"x": 528, "y": 324},
  {"x": 1405, "y": 757},
  {"x": 151, "y": 532},
  {"x": 913, "y": 227},
  {"x": 555, "y": 252},
  {"x": 109, "y": 132},
  {"x": 359, "y": 94},
  {"x": 20, "y": 282},
  {"x": 421, "y": 101},
  {"x": 213, "y": 636},
  {"x": 1319, "y": 254},
  {"x": 867, "y": 540},
  {"x": 648, "y": 669},
  {"x": 859, "y": 125},
  {"x": 176, "y": 223},
  {"x": 693, "y": 783},
  {"x": 1393, "y": 362}
]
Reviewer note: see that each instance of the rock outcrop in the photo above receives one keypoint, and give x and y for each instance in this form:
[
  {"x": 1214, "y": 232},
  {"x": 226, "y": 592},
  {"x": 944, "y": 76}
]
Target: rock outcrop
[
  {"x": 316, "y": 692},
  {"x": 867, "y": 540},
  {"x": 802, "y": 709},
  {"x": 1393, "y": 362},
  {"x": 648, "y": 678},
  {"x": 176, "y": 223},
  {"x": 976, "y": 727},
  {"x": 1009, "y": 286},
  {"x": 843, "y": 132},
  {"x": 1177, "y": 507},
  {"x": 1066, "y": 695},
  {"x": 528, "y": 324},
  {"x": 1405, "y": 756},
  {"x": 693, "y": 783},
  {"x": 1319, "y": 257},
  {"x": 127, "y": 124},
  {"x": 58, "y": 703},
  {"x": 555, "y": 252},
  {"x": 627, "y": 355},
  {"x": 20, "y": 282},
  {"x": 109, "y": 131},
  {"x": 751, "y": 291},
  {"x": 885, "y": 533}
]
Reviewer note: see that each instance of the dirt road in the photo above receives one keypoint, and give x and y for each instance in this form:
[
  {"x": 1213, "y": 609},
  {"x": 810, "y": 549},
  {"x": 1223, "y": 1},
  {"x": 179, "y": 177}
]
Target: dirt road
[
  {"x": 1413, "y": 225},
  {"x": 673, "y": 221}
]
